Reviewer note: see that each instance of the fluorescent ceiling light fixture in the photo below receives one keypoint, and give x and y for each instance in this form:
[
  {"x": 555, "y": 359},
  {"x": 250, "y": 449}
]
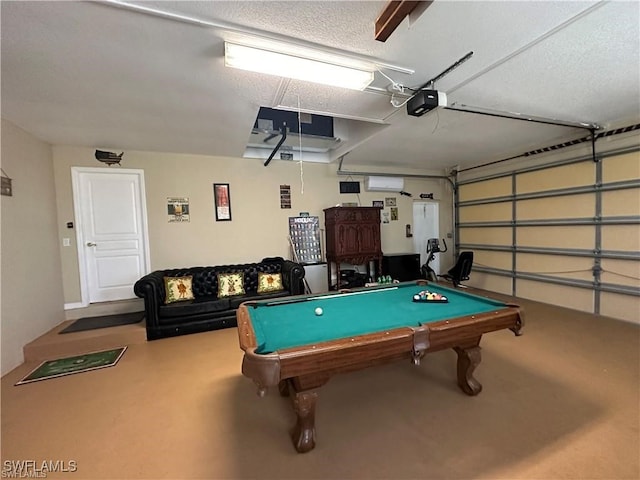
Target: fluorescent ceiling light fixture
[{"x": 294, "y": 66}]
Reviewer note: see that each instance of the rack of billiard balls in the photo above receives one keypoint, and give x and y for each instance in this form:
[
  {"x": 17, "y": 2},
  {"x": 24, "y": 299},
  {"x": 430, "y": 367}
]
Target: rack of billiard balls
[{"x": 427, "y": 296}]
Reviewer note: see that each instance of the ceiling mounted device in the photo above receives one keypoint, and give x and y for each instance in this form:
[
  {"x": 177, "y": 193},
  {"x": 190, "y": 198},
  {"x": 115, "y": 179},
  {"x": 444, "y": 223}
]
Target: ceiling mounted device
[
  {"x": 424, "y": 101},
  {"x": 299, "y": 64},
  {"x": 425, "y": 98}
]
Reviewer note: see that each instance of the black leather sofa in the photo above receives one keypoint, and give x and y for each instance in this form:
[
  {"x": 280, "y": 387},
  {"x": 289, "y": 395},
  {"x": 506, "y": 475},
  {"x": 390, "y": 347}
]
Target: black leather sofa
[{"x": 206, "y": 311}]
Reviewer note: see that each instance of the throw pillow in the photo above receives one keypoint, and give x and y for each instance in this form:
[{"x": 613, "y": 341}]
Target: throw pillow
[
  {"x": 269, "y": 282},
  {"x": 178, "y": 289},
  {"x": 230, "y": 284}
]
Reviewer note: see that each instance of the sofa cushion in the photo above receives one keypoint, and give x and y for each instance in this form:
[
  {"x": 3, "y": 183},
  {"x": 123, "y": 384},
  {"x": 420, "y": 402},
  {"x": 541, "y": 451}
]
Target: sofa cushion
[
  {"x": 269, "y": 282},
  {"x": 230, "y": 284},
  {"x": 178, "y": 289},
  {"x": 194, "y": 307}
]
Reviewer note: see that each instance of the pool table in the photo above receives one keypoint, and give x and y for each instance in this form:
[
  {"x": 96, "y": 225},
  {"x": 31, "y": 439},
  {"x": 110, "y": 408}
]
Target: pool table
[{"x": 288, "y": 344}]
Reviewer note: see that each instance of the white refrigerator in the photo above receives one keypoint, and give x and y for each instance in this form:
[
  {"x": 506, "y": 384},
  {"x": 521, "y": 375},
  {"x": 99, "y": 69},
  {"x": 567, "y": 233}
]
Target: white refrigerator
[{"x": 316, "y": 276}]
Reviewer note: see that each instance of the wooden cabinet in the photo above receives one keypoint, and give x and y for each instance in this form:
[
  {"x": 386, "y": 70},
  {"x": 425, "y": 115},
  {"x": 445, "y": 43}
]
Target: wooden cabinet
[{"x": 353, "y": 236}]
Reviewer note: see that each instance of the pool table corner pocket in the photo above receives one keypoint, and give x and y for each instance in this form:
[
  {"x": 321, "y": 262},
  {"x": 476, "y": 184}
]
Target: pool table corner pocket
[{"x": 263, "y": 369}]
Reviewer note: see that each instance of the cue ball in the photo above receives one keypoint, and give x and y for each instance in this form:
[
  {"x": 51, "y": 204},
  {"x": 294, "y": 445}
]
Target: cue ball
[{"x": 318, "y": 311}]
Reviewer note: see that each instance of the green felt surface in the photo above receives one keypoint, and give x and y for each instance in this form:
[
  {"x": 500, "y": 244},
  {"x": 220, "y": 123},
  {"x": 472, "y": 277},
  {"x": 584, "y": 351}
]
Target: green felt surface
[{"x": 289, "y": 325}]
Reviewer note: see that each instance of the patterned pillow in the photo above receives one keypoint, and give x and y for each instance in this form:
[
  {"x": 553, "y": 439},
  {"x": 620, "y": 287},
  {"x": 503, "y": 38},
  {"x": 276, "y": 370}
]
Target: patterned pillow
[
  {"x": 178, "y": 289},
  {"x": 269, "y": 282},
  {"x": 230, "y": 284}
]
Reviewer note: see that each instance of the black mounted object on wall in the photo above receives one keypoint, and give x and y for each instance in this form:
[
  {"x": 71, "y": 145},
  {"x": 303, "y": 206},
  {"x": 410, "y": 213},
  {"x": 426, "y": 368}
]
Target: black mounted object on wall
[
  {"x": 5, "y": 187},
  {"x": 109, "y": 158},
  {"x": 349, "y": 187}
]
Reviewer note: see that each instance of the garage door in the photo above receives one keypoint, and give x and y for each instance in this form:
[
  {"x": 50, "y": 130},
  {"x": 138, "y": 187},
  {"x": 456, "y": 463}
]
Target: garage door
[{"x": 565, "y": 233}]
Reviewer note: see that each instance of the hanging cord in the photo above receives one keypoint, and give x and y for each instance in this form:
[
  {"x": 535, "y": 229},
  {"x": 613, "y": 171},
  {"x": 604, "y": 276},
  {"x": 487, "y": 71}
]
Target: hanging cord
[
  {"x": 300, "y": 148},
  {"x": 396, "y": 86},
  {"x": 586, "y": 270},
  {"x": 619, "y": 274},
  {"x": 357, "y": 194}
]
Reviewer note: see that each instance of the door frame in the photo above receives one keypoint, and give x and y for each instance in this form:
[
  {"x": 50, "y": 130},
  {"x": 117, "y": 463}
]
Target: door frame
[{"x": 79, "y": 226}]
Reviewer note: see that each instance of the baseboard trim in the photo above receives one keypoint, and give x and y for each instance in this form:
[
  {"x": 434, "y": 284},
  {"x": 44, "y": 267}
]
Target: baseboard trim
[{"x": 73, "y": 306}]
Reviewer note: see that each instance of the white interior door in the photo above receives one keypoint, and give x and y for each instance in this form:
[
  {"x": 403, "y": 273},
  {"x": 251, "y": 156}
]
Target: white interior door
[
  {"x": 426, "y": 221},
  {"x": 111, "y": 230}
]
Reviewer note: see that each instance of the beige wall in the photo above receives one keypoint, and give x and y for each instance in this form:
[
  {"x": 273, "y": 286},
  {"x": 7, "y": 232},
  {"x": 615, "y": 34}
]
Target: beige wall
[
  {"x": 32, "y": 301},
  {"x": 259, "y": 227}
]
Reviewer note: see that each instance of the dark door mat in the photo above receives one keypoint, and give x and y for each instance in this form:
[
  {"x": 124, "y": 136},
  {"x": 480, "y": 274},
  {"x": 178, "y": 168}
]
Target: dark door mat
[{"x": 93, "y": 323}]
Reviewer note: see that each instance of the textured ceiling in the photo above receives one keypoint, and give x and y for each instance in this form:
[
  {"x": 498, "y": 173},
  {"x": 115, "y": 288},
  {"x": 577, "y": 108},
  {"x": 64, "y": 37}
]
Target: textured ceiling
[{"x": 105, "y": 75}]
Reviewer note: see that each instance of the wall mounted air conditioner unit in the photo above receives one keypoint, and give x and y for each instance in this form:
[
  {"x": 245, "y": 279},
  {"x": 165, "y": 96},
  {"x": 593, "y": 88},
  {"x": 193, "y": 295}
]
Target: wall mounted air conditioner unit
[{"x": 385, "y": 184}]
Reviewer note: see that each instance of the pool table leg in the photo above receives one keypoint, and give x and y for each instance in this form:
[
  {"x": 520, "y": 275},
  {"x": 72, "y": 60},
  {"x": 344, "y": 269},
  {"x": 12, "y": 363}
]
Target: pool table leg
[
  {"x": 303, "y": 433},
  {"x": 304, "y": 398},
  {"x": 468, "y": 359}
]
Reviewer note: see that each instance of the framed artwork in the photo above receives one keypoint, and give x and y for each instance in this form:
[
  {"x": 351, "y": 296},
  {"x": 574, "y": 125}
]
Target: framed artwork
[
  {"x": 222, "y": 199},
  {"x": 178, "y": 209},
  {"x": 285, "y": 196}
]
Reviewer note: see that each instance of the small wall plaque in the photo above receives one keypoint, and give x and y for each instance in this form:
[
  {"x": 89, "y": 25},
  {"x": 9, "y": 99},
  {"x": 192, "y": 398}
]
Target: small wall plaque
[{"x": 5, "y": 186}]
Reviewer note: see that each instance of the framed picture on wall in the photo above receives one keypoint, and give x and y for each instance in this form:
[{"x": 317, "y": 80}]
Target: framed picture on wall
[{"x": 222, "y": 199}]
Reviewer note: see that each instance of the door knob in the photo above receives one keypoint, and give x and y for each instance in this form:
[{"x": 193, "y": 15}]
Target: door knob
[{"x": 91, "y": 244}]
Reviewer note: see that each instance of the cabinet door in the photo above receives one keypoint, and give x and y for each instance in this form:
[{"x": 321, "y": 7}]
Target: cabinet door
[
  {"x": 348, "y": 239},
  {"x": 369, "y": 238}
]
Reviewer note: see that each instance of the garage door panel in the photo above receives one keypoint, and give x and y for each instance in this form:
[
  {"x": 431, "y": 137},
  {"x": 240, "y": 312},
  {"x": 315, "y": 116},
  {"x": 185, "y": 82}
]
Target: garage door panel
[
  {"x": 621, "y": 202},
  {"x": 624, "y": 307},
  {"x": 561, "y": 295},
  {"x": 489, "y": 282},
  {"x": 621, "y": 272},
  {"x": 486, "y": 236},
  {"x": 561, "y": 266},
  {"x": 494, "y": 212},
  {"x": 569, "y": 206},
  {"x": 621, "y": 237},
  {"x": 621, "y": 168},
  {"x": 575, "y": 175},
  {"x": 488, "y": 258},
  {"x": 497, "y": 187},
  {"x": 575, "y": 237}
]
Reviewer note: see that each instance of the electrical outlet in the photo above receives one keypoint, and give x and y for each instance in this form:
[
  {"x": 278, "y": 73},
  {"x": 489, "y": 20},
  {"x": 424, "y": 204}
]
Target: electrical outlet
[{"x": 66, "y": 242}]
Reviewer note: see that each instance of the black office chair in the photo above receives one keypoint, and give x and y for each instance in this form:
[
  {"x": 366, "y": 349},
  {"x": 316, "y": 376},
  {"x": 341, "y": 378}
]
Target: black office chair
[{"x": 461, "y": 270}]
